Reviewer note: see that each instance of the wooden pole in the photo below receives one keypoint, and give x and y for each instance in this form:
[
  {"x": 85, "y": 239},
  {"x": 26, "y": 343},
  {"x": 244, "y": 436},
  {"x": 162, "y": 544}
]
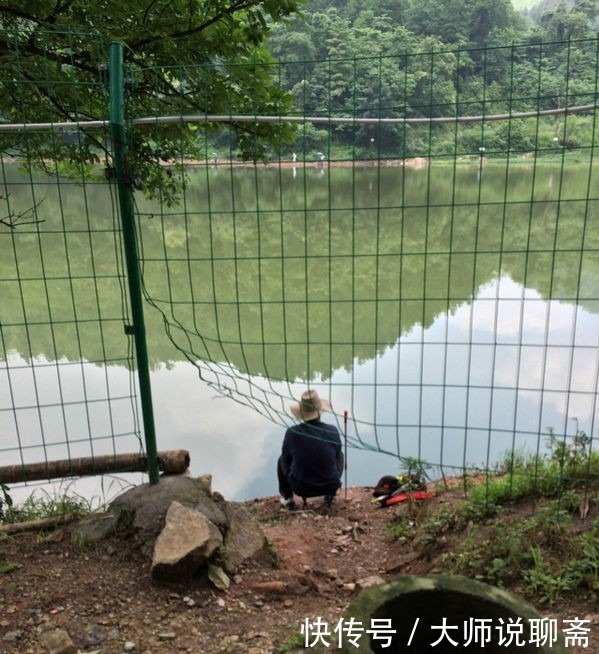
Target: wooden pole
[
  {"x": 173, "y": 462},
  {"x": 37, "y": 525}
]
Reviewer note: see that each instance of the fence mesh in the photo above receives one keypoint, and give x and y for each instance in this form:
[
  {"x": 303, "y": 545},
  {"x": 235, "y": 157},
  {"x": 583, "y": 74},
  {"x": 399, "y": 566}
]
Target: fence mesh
[
  {"x": 67, "y": 367},
  {"x": 426, "y": 257},
  {"x": 68, "y": 384}
]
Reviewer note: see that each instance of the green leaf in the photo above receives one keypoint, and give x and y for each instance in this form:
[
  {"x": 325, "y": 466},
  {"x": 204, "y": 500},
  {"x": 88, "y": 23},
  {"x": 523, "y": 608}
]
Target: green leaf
[
  {"x": 9, "y": 566},
  {"x": 218, "y": 577}
]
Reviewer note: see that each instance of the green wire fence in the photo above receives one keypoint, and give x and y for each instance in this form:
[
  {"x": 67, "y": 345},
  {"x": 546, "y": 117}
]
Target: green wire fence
[{"x": 427, "y": 257}]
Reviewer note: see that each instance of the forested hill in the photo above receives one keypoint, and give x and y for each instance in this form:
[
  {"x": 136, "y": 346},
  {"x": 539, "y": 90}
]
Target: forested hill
[
  {"x": 431, "y": 58},
  {"x": 464, "y": 23}
]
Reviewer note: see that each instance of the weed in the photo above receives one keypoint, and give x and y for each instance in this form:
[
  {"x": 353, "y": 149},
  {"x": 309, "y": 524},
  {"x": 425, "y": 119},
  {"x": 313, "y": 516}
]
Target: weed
[
  {"x": 273, "y": 554},
  {"x": 9, "y": 566},
  {"x": 220, "y": 556},
  {"x": 494, "y": 554},
  {"x": 297, "y": 641},
  {"x": 78, "y": 540},
  {"x": 401, "y": 529},
  {"x": 544, "y": 556},
  {"x": 546, "y": 582},
  {"x": 6, "y": 499},
  {"x": 47, "y": 506},
  {"x": 560, "y": 474},
  {"x": 415, "y": 466},
  {"x": 573, "y": 458},
  {"x": 585, "y": 567}
]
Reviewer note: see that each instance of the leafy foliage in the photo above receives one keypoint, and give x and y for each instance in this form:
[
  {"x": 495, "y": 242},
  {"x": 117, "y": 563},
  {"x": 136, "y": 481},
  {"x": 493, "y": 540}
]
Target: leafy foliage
[
  {"x": 434, "y": 58},
  {"x": 204, "y": 57},
  {"x": 243, "y": 58}
]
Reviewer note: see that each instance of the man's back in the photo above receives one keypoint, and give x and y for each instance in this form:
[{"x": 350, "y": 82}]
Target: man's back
[{"x": 312, "y": 451}]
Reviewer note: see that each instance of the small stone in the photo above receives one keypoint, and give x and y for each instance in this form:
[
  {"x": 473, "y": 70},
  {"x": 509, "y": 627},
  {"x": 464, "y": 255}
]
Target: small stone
[
  {"x": 167, "y": 635},
  {"x": 93, "y": 635},
  {"x": 58, "y": 641},
  {"x": 12, "y": 636},
  {"x": 129, "y": 646},
  {"x": 367, "y": 582},
  {"x": 113, "y": 635}
]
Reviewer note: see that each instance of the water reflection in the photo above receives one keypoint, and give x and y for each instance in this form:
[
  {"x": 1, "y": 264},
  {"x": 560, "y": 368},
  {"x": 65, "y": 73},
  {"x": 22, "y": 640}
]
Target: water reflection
[
  {"x": 488, "y": 378},
  {"x": 452, "y": 324},
  {"x": 492, "y": 376}
]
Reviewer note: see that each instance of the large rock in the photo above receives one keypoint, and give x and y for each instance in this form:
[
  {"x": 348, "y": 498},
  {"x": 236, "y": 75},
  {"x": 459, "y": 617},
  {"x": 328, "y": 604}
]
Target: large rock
[
  {"x": 141, "y": 510},
  {"x": 244, "y": 539},
  {"x": 140, "y": 513},
  {"x": 186, "y": 543}
]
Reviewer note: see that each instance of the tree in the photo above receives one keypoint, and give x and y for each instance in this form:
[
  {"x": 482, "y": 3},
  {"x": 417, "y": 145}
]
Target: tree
[
  {"x": 200, "y": 57},
  {"x": 448, "y": 21}
]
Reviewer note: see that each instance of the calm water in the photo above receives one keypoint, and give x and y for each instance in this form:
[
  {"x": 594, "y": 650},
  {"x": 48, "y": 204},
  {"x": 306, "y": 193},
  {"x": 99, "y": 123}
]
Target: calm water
[{"x": 452, "y": 313}]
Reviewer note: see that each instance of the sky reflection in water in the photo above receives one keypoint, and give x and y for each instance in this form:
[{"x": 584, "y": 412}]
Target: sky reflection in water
[{"x": 492, "y": 376}]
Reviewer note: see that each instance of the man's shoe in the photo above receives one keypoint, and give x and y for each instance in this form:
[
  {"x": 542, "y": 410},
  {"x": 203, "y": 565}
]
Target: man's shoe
[{"x": 288, "y": 503}]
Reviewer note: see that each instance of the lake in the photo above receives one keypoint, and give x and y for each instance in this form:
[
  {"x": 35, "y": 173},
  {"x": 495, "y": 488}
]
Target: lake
[{"x": 451, "y": 311}]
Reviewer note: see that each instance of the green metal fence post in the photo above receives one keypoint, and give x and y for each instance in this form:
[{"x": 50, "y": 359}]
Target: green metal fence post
[{"x": 125, "y": 195}]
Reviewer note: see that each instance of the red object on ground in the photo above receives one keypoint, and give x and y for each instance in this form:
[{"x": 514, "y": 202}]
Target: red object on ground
[{"x": 412, "y": 495}]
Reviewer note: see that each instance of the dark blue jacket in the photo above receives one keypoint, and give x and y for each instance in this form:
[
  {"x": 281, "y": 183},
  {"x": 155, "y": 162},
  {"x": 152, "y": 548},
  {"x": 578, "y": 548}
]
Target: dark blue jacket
[{"x": 313, "y": 457}]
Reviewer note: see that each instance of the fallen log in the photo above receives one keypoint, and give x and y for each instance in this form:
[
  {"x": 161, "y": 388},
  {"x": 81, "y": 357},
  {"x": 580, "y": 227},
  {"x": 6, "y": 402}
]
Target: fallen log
[{"x": 172, "y": 462}]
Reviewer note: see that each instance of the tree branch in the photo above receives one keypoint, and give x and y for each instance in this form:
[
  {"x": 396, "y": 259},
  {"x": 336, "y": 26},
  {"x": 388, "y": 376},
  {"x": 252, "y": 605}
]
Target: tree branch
[
  {"x": 237, "y": 5},
  {"x": 51, "y": 55},
  {"x": 16, "y": 219}
]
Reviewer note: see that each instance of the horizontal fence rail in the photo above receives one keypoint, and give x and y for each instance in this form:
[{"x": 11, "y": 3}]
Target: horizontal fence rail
[{"x": 324, "y": 120}]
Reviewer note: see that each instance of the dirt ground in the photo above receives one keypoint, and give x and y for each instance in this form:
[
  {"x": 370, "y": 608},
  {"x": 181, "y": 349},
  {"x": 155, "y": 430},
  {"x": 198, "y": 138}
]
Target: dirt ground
[{"x": 103, "y": 598}]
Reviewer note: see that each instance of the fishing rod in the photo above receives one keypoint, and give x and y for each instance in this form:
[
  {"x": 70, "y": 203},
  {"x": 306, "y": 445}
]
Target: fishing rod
[{"x": 345, "y": 455}]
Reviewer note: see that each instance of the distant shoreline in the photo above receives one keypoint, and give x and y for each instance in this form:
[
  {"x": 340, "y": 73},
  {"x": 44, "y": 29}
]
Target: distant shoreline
[{"x": 412, "y": 162}]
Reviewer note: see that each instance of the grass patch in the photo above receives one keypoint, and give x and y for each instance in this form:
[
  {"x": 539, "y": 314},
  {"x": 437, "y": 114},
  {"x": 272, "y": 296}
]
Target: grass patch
[
  {"x": 531, "y": 526},
  {"x": 45, "y": 505},
  {"x": 296, "y": 641}
]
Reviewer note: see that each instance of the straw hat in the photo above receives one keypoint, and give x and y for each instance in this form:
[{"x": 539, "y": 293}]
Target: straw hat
[{"x": 310, "y": 406}]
